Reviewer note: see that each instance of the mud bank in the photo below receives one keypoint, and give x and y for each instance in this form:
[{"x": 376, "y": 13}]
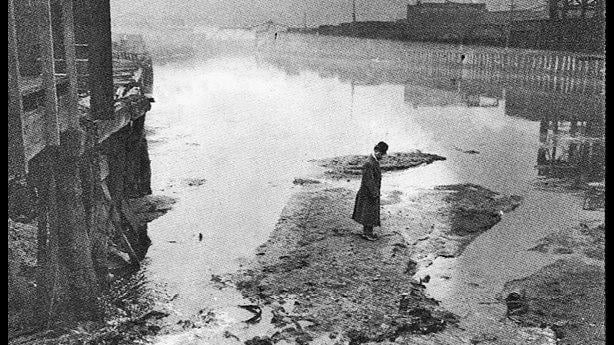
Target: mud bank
[
  {"x": 569, "y": 295},
  {"x": 326, "y": 284},
  {"x": 350, "y": 166},
  {"x": 322, "y": 280}
]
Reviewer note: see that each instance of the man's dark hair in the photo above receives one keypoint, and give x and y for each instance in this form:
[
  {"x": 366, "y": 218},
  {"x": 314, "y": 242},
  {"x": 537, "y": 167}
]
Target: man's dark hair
[{"x": 381, "y": 147}]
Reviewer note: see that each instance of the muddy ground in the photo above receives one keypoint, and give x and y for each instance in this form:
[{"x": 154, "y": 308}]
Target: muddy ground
[
  {"x": 568, "y": 295},
  {"x": 327, "y": 285},
  {"x": 344, "y": 167},
  {"x": 321, "y": 283}
]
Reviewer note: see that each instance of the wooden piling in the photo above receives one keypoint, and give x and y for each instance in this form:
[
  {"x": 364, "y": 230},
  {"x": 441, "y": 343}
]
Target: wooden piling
[
  {"x": 18, "y": 166},
  {"x": 68, "y": 26},
  {"x": 48, "y": 266},
  {"x": 52, "y": 129},
  {"x": 100, "y": 60},
  {"x": 74, "y": 234}
]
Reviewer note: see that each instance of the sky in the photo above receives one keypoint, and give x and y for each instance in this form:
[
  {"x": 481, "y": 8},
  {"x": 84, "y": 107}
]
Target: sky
[{"x": 288, "y": 12}]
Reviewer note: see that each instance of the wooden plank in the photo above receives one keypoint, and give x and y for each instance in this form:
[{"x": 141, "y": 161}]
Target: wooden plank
[
  {"x": 101, "y": 60},
  {"x": 34, "y": 134},
  {"x": 34, "y": 125},
  {"x": 18, "y": 166},
  {"x": 52, "y": 132},
  {"x": 68, "y": 26},
  {"x": 107, "y": 127}
]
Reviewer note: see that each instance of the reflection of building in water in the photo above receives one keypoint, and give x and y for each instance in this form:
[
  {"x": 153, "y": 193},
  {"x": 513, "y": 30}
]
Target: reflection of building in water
[
  {"x": 535, "y": 105},
  {"x": 425, "y": 96},
  {"x": 571, "y": 132},
  {"x": 447, "y": 92},
  {"x": 571, "y": 149}
]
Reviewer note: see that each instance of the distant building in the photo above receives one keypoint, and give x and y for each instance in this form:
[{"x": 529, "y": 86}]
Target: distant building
[
  {"x": 560, "y": 25},
  {"x": 447, "y": 21},
  {"x": 525, "y": 26}
]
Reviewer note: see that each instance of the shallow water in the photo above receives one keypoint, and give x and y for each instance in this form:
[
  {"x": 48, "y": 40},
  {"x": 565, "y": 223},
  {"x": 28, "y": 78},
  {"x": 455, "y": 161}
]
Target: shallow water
[{"x": 247, "y": 121}]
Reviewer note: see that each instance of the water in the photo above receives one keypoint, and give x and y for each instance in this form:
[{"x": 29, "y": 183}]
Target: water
[{"x": 246, "y": 121}]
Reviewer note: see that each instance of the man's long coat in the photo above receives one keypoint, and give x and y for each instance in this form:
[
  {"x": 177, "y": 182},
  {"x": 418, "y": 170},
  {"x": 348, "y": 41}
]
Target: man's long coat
[{"x": 367, "y": 205}]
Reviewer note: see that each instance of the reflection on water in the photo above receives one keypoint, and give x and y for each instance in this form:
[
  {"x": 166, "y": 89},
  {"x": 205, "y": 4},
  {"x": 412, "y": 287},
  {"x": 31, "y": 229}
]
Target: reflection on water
[
  {"x": 555, "y": 102},
  {"x": 525, "y": 126},
  {"x": 247, "y": 123},
  {"x": 571, "y": 149}
]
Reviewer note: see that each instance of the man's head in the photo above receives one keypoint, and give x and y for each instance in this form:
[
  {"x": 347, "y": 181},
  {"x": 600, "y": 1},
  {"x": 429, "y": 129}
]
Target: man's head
[{"x": 380, "y": 149}]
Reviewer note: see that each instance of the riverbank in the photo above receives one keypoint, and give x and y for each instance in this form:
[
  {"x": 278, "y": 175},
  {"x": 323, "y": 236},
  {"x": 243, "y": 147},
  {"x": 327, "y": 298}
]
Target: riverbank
[
  {"x": 127, "y": 308},
  {"x": 326, "y": 284},
  {"x": 568, "y": 295}
]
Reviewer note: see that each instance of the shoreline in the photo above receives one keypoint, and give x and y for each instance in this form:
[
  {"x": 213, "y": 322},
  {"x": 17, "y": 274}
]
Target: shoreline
[
  {"x": 320, "y": 282},
  {"x": 22, "y": 274},
  {"x": 316, "y": 272},
  {"x": 347, "y": 289}
]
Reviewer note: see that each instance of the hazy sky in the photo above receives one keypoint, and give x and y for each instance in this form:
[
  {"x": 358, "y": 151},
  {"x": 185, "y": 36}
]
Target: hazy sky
[{"x": 289, "y": 12}]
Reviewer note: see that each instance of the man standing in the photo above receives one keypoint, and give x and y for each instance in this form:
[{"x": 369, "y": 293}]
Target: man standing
[{"x": 367, "y": 205}]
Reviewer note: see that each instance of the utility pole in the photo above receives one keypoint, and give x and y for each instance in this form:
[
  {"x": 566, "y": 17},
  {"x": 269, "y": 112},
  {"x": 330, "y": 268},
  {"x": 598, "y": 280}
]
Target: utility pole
[
  {"x": 353, "y": 11},
  {"x": 509, "y": 24}
]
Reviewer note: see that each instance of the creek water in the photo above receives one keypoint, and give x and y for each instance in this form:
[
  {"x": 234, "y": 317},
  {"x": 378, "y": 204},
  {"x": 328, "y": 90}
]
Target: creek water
[{"x": 235, "y": 122}]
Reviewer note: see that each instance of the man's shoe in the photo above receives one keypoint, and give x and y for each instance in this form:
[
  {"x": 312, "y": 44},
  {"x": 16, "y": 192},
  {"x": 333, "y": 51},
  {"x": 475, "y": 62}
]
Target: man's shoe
[{"x": 369, "y": 237}]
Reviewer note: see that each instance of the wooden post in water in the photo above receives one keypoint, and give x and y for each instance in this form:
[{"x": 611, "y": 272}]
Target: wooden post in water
[
  {"x": 52, "y": 129},
  {"x": 18, "y": 166},
  {"x": 47, "y": 255},
  {"x": 68, "y": 26}
]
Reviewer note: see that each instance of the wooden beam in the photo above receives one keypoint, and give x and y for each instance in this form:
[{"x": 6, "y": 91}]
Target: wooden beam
[
  {"x": 68, "y": 26},
  {"x": 52, "y": 132},
  {"x": 100, "y": 60},
  {"x": 18, "y": 166}
]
